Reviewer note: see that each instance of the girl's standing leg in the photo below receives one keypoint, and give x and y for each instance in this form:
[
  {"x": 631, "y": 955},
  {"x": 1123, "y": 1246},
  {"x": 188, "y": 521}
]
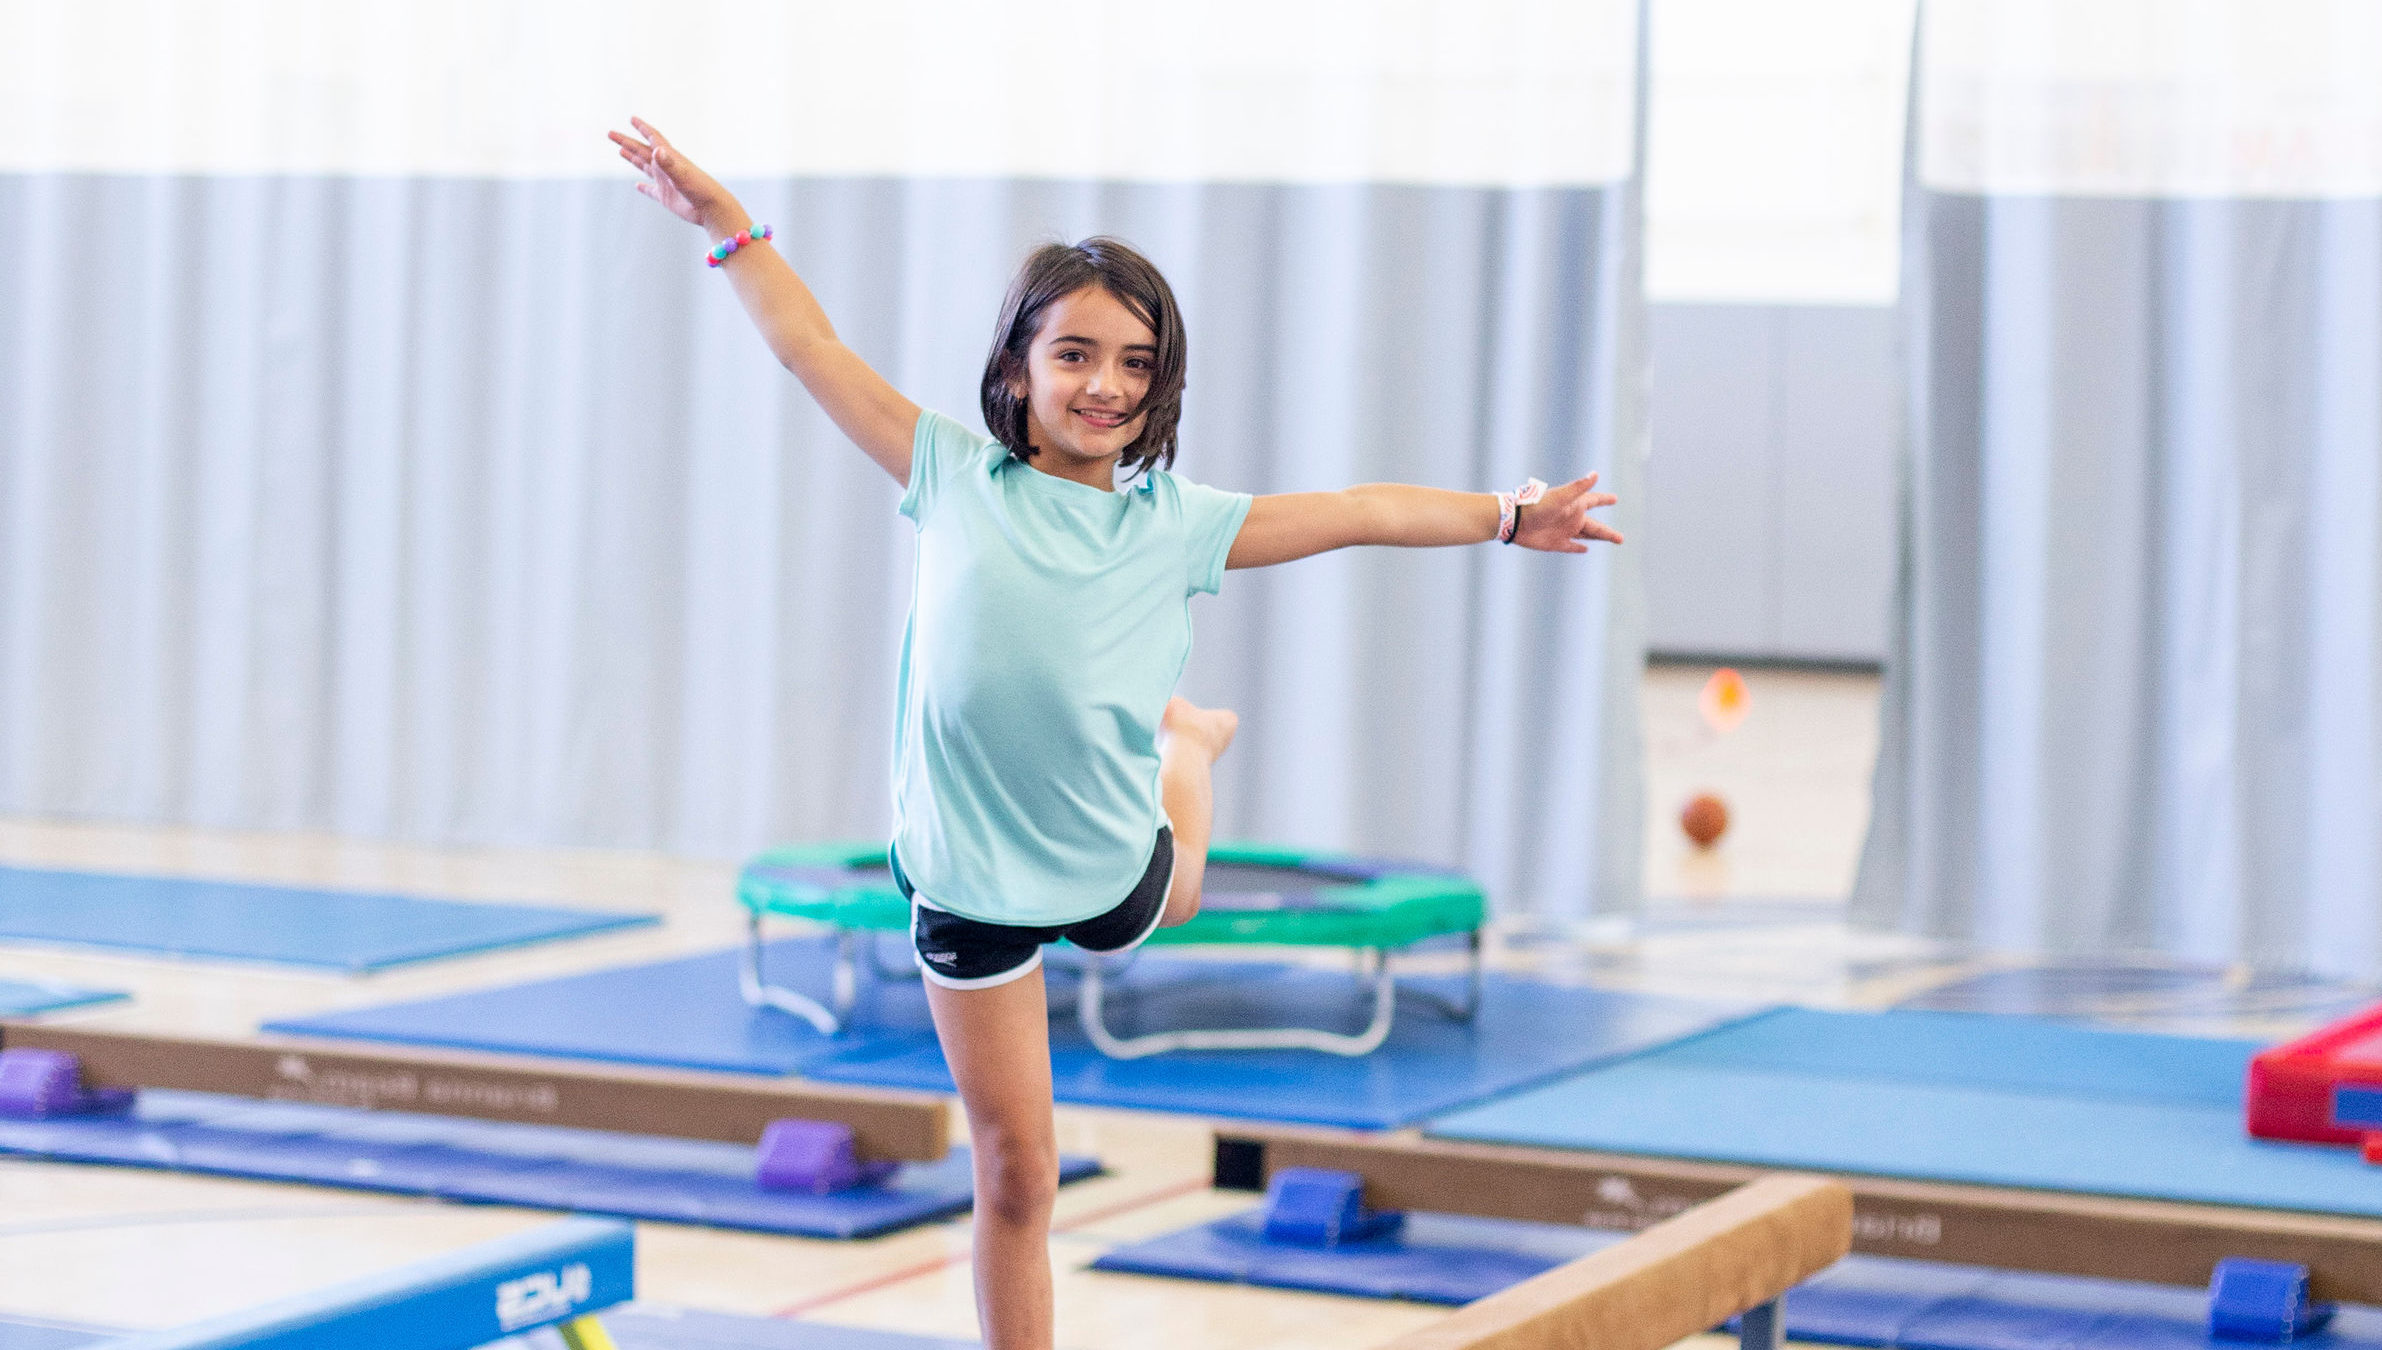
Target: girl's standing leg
[
  {"x": 997, "y": 1041},
  {"x": 1195, "y": 738}
]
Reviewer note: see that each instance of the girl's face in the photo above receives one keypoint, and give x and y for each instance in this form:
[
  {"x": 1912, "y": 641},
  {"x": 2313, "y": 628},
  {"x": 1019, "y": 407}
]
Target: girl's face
[{"x": 1086, "y": 374}]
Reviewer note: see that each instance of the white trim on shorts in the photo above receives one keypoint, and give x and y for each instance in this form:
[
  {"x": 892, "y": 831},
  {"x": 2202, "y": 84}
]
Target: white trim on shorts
[
  {"x": 1174, "y": 861},
  {"x": 933, "y": 976}
]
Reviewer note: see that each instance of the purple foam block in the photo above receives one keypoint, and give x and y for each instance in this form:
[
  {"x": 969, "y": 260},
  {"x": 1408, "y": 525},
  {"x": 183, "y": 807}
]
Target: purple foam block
[
  {"x": 814, "y": 1156},
  {"x": 38, "y": 1083}
]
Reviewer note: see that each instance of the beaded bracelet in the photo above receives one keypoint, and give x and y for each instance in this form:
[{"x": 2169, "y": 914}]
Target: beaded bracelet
[
  {"x": 720, "y": 251},
  {"x": 1509, "y": 508}
]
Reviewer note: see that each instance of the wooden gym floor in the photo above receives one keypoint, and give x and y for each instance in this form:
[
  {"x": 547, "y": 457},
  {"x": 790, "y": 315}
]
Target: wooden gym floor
[{"x": 1756, "y": 918}]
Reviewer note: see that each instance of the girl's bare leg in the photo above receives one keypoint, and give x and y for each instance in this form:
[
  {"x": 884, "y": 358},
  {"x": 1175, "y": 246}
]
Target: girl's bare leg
[
  {"x": 997, "y": 1041},
  {"x": 1194, "y": 738}
]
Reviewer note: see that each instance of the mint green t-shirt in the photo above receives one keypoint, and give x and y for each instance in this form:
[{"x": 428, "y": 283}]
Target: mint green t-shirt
[{"x": 1049, "y": 622}]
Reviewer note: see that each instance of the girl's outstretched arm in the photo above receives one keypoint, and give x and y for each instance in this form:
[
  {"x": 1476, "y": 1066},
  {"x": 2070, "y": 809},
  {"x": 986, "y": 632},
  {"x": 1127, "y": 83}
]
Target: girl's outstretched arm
[
  {"x": 1293, "y": 525},
  {"x": 870, "y": 411}
]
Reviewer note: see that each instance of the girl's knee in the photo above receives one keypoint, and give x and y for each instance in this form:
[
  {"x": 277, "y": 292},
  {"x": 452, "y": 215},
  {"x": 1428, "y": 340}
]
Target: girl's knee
[{"x": 1017, "y": 1176}]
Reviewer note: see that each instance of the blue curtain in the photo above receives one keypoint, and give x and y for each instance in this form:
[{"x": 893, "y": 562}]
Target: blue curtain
[{"x": 2134, "y": 700}]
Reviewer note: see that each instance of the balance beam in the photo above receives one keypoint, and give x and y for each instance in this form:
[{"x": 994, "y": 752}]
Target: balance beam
[
  {"x": 549, "y": 1276},
  {"x": 886, "y": 1125},
  {"x": 1687, "y": 1274},
  {"x": 2105, "y": 1237}
]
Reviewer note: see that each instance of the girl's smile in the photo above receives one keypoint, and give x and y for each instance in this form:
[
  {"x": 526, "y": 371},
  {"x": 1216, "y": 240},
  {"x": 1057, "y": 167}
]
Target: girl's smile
[{"x": 1086, "y": 375}]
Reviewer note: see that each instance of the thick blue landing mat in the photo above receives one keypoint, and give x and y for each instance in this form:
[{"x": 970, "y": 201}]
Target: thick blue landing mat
[
  {"x": 1970, "y": 1097},
  {"x": 1861, "y": 1300},
  {"x": 284, "y": 925},
  {"x": 23, "y": 998},
  {"x": 583, "y": 1171},
  {"x": 687, "y": 1013},
  {"x": 33, "y": 1333}
]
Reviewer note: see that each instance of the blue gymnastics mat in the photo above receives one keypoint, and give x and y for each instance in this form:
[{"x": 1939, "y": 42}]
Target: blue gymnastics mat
[
  {"x": 1861, "y": 1300},
  {"x": 541, "y": 1167},
  {"x": 686, "y": 1013},
  {"x": 1968, "y": 1097},
  {"x": 23, "y": 998},
  {"x": 1448, "y": 1259},
  {"x": 351, "y": 931}
]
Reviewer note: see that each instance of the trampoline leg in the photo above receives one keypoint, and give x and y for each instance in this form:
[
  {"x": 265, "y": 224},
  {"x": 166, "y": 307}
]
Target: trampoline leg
[
  {"x": 1762, "y": 1328},
  {"x": 759, "y": 993},
  {"x": 1450, "y": 1008},
  {"x": 1095, "y": 1027},
  {"x": 1472, "y": 966},
  {"x": 846, "y": 982},
  {"x": 585, "y": 1333}
]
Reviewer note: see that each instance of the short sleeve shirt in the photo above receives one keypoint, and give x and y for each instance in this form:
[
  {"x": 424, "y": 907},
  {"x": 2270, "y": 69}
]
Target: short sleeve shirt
[{"x": 1049, "y": 622}]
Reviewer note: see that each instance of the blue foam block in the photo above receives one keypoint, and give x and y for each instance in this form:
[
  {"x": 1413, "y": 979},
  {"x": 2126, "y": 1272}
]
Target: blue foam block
[
  {"x": 283, "y": 925},
  {"x": 2357, "y": 1106},
  {"x": 585, "y": 1171},
  {"x": 24, "y": 998},
  {"x": 643, "y": 1326},
  {"x": 687, "y": 1013},
  {"x": 1992, "y": 1100}
]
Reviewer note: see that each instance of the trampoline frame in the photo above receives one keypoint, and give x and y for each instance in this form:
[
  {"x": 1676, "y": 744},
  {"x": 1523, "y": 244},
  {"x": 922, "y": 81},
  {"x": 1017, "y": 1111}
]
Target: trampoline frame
[{"x": 857, "y": 908}]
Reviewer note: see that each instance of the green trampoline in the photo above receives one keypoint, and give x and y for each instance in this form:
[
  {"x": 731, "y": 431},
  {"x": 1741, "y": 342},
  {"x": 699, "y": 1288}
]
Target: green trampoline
[{"x": 1253, "y": 894}]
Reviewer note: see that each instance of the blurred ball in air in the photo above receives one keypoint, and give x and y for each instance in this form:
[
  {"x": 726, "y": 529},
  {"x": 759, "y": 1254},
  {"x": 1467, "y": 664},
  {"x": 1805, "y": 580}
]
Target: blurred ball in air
[
  {"x": 1704, "y": 819},
  {"x": 1724, "y": 701}
]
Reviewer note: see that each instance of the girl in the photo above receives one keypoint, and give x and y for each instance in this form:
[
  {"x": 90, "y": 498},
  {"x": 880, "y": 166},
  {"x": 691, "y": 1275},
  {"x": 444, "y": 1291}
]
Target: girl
[{"x": 1046, "y": 783}]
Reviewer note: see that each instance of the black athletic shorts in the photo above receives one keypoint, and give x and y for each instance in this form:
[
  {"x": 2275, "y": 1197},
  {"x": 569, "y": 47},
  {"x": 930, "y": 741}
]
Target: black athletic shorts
[{"x": 958, "y": 952}]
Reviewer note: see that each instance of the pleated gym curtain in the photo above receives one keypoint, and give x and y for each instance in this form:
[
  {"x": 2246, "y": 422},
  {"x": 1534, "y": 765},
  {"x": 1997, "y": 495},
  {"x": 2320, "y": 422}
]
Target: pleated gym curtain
[
  {"x": 373, "y": 459},
  {"x": 2132, "y": 700}
]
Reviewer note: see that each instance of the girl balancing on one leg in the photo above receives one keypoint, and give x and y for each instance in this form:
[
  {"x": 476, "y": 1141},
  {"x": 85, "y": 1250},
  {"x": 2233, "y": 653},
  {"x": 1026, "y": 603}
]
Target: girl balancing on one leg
[{"x": 1047, "y": 784}]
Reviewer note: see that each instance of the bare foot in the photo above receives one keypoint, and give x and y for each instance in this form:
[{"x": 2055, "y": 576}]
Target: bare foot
[{"x": 1211, "y": 729}]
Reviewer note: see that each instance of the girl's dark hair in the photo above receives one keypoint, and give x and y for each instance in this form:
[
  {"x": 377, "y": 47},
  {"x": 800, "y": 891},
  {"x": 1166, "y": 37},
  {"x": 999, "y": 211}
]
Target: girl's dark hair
[{"x": 1053, "y": 272}]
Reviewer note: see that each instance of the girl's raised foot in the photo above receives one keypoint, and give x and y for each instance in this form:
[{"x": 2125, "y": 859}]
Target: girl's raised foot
[{"x": 1209, "y": 728}]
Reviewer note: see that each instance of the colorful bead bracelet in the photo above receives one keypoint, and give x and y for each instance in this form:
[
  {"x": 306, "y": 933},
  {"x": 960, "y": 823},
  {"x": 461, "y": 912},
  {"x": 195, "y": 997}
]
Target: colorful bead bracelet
[{"x": 720, "y": 251}]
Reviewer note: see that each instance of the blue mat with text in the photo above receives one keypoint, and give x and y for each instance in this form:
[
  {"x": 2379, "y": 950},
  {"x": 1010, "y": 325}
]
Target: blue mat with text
[
  {"x": 543, "y": 1167},
  {"x": 686, "y": 1013}
]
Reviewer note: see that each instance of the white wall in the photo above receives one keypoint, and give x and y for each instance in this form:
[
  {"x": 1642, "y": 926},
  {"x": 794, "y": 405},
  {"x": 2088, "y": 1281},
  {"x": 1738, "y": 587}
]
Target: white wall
[{"x": 1773, "y": 193}]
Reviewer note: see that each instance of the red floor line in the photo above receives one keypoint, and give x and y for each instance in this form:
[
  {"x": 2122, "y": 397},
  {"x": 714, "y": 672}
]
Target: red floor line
[
  {"x": 876, "y": 1282},
  {"x": 949, "y": 1259}
]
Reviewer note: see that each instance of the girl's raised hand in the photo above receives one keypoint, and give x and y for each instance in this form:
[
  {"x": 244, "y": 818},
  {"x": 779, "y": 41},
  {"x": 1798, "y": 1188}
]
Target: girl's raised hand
[
  {"x": 674, "y": 180},
  {"x": 1559, "y": 521}
]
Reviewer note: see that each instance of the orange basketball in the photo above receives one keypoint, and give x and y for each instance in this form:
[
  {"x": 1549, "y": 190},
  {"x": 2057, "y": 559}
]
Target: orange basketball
[{"x": 1705, "y": 819}]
